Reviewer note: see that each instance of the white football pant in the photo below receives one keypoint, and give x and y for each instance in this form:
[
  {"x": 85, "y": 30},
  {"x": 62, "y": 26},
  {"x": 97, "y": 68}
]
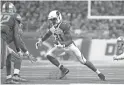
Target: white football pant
[{"x": 72, "y": 50}]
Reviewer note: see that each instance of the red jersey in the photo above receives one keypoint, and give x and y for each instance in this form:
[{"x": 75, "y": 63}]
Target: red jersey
[{"x": 61, "y": 33}]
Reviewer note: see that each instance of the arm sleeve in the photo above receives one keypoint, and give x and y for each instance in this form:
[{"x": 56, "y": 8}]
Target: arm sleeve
[
  {"x": 16, "y": 37},
  {"x": 22, "y": 46},
  {"x": 19, "y": 44},
  {"x": 47, "y": 35},
  {"x": 67, "y": 30},
  {"x": 67, "y": 34}
]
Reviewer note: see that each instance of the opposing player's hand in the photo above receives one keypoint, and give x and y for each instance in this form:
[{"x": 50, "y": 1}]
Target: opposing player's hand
[{"x": 38, "y": 43}]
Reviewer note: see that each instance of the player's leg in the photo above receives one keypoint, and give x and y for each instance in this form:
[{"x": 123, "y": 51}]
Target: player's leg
[
  {"x": 3, "y": 45},
  {"x": 6, "y": 57},
  {"x": 8, "y": 66},
  {"x": 51, "y": 57},
  {"x": 9, "y": 79},
  {"x": 16, "y": 59},
  {"x": 82, "y": 60},
  {"x": 3, "y": 53}
]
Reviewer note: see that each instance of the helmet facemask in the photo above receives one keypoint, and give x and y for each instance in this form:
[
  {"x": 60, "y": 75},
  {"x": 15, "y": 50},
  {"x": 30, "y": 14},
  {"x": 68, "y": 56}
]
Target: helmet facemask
[{"x": 54, "y": 21}]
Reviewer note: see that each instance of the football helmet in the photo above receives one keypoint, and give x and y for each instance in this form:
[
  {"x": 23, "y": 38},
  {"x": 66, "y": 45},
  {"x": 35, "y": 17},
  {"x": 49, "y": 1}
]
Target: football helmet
[
  {"x": 120, "y": 42},
  {"x": 55, "y": 17},
  {"x": 8, "y": 7}
]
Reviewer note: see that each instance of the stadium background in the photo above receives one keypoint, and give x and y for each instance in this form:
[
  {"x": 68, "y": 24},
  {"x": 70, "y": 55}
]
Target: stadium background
[
  {"x": 34, "y": 17},
  {"x": 100, "y": 45}
]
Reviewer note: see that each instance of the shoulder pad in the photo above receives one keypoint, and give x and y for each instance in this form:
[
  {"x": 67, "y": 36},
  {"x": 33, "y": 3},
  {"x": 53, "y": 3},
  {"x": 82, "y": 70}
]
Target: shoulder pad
[{"x": 18, "y": 17}]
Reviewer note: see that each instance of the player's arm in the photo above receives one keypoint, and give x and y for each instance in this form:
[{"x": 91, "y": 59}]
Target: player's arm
[
  {"x": 19, "y": 44},
  {"x": 16, "y": 37},
  {"x": 67, "y": 35},
  {"x": 46, "y": 36},
  {"x": 18, "y": 40},
  {"x": 22, "y": 45}
]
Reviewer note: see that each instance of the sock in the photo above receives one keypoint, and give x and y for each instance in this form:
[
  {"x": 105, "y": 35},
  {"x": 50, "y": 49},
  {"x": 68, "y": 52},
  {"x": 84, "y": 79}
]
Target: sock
[
  {"x": 8, "y": 64},
  {"x": 97, "y": 71},
  {"x": 17, "y": 66},
  {"x": 90, "y": 65},
  {"x": 16, "y": 71},
  {"x": 53, "y": 61},
  {"x": 8, "y": 76}
]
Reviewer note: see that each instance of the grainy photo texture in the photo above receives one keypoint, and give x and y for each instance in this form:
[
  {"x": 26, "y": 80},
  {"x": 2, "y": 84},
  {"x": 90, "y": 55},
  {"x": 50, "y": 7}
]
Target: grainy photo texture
[{"x": 62, "y": 42}]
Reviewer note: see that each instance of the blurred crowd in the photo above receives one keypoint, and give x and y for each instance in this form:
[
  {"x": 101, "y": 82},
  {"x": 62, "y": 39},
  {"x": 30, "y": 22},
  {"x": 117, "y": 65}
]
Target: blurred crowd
[
  {"x": 108, "y": 8},
  {"x": 34, "y": 15}
]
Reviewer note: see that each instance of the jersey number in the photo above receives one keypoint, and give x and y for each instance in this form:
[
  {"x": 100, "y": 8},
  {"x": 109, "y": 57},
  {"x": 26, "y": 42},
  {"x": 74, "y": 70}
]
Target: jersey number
[
  {"x": 58, "y": 37},
  {"x": 5, "y": 18}
]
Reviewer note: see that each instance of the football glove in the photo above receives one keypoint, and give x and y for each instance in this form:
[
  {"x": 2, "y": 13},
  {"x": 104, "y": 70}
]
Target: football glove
[
  {"x": 30, "y": 57},
  {"x": 38, "y": 43}
]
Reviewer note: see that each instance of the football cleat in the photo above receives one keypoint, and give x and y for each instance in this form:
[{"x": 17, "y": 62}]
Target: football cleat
[
  {"x": 101, "y": 76},
  {"x": 64, "y": 71},
  {"x": 17, "y": 77},
  {"x": 11, "y": 81}
]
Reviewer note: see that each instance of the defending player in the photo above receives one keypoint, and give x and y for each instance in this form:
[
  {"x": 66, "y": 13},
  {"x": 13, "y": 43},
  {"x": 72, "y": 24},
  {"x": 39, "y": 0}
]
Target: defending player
[
  {"x": 10, "y": 24},
  {"x": 120, "y": 47},
  {"x": 61, "y": 31}
]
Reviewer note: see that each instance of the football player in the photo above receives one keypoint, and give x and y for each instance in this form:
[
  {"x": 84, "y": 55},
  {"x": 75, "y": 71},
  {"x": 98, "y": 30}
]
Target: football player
[
  {"x": 61, "y": 31},
  {"x": 10, "y": 25},
  {"x": 120, "y": 47}
]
